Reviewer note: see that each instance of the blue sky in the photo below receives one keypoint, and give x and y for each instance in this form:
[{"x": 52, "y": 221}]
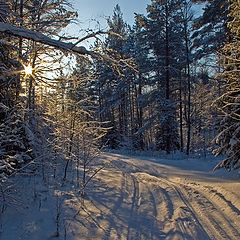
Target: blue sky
[
  {"x": 93, "y": 11},
  {"x": 100, "y": 9}
]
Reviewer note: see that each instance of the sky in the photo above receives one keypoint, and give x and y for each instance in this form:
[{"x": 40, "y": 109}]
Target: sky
[
  {"x": 99, "y": 10},
  {"x": 93, "y": 11}
]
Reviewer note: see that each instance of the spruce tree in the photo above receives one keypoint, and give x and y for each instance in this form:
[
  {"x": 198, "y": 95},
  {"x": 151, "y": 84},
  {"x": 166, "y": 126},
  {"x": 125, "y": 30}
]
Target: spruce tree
[
  {"x": 165, "y": 38},
  {"x": 112, "y": 84},
  {"x": 229, "y": 102},
  {"x": 210, "y": 29}
]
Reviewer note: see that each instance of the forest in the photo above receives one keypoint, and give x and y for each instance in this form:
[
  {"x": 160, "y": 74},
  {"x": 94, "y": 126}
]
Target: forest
[{"x": 167, "y": 86}]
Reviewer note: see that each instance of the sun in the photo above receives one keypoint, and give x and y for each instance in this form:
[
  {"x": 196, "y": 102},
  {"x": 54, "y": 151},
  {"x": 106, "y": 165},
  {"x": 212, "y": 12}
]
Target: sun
[{"x": 28, "y": 69}]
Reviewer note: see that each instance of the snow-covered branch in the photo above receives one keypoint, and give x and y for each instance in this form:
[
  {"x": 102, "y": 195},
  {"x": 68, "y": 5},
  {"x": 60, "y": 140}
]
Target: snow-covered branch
[{"x": 39, "y": 37}]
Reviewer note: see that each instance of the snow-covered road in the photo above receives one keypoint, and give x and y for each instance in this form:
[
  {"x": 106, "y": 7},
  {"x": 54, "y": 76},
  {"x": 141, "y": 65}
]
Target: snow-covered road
[
  {"x": 132, "y": 198},
  {"x": 138, "y": 199}
]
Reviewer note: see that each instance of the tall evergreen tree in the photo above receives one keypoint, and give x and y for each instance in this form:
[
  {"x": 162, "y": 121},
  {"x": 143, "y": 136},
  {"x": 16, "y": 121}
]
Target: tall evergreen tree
[
  {"x": 140, "y": 50},
  {"x": 210, "y": 28},
  {"x": 229, "y": 102},
  {"x": 13, "y": 138},
  {"x": 113, "y": 86},
  {"x": 47, "y": 17},
  {"x": 164, "y": 36}
]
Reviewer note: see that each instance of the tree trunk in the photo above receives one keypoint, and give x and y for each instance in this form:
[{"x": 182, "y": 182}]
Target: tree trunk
[
  {"x": 167, "y": 74},
  {"x": 181, "y": 115},
  {"x": 188, "y": 91}
]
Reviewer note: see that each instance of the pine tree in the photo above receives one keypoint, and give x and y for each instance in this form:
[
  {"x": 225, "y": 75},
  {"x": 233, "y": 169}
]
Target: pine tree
[
  {"x": 210, "y": 28},
  {"x": 229, "y": 102},
  {"x": 139, "y": 50},
  {"x": 164, "y": 36},
  {"x": 12, "y": 132},
  {"x": 48, "y": 17},
  {"x": 113, "y": 85}
]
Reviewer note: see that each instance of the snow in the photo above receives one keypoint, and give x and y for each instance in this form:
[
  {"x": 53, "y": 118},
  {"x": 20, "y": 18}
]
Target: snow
[
  {"x": 39, "y": 37},
  {"x": 133, "y": 197}
]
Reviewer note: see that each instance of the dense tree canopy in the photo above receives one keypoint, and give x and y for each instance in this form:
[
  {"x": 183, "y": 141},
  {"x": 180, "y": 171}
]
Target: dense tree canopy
[
  {"x": 229, "y": 101},
  {"x": 150, "y": 86}
]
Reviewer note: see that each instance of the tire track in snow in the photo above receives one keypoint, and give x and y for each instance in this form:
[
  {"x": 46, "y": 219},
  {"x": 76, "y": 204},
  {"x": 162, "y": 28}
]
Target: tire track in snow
[
  {"x": 153, "y": 202},
  {"x": 187, "y": 224},
  {"x": 138, "y": 223},
  {"x": 213, "y": 215},
  {"x": 148, "y": 211},
  {"x": 133, "y": 219},
  {"x": 200, "y": 230},
  {"x": 207, "y": 211},
  {"x": 155, "y": 210},
  {"x": 217, "y": 195},
  {"x": 202, "y": 226},
  {"x": 112, "y": 225},
  {"x": 182, "y": 226},
  {"x": 206, "y": 207},
  {"x": 215, "y": 211},
  {"x": 207, "y": 214}
]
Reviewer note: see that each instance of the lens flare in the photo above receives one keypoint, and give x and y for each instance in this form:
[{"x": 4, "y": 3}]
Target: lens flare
[{"x": 28, "y": 69}]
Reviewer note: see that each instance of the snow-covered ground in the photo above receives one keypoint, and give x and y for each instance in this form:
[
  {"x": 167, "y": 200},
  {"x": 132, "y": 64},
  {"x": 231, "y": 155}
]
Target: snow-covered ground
[{"x": 133, "y": 197}]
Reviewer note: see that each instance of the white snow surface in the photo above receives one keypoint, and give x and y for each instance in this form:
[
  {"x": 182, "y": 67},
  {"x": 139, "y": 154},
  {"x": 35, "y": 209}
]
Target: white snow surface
[{"x": 133, "y": 197}]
